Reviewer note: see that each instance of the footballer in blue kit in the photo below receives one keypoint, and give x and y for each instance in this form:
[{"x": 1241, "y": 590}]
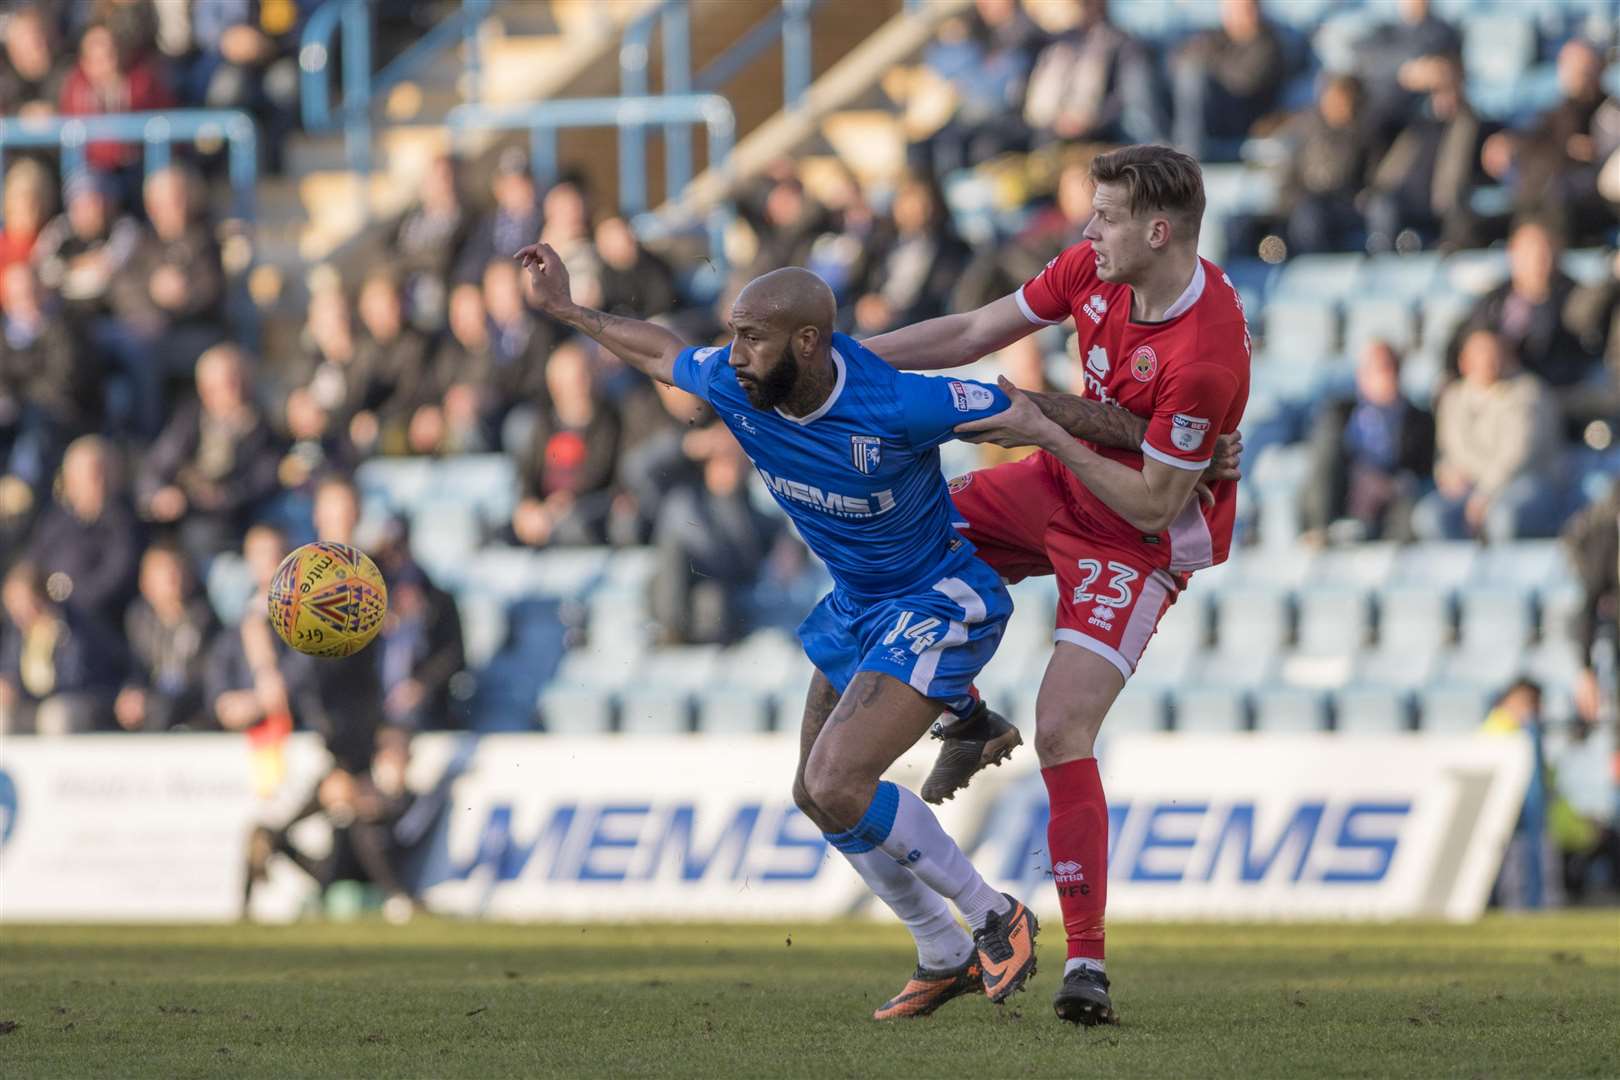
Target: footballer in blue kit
[
  {"x": 860, "y": 477},
  {"x": 849, "y": 447}
]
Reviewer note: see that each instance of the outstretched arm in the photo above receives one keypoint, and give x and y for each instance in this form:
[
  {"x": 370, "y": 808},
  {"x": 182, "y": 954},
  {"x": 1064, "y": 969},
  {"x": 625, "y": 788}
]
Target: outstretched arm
[
  {"x": 1110, "y": 425},
  {"x": 953, "y": 340},
  {"x": 645, "y": 346}
]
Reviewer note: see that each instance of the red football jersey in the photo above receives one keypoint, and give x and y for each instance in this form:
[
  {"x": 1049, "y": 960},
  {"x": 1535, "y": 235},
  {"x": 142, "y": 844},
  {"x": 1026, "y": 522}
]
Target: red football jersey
[{"x": 1188, "y": 376}]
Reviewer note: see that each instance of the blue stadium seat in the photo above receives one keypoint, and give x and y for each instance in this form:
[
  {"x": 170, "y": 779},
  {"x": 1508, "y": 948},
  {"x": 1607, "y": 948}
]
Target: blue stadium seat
[
  {"x": 1412, "y": 618},
  {"x": 650, "y": 708},
  {"x": 1476, "y": 272},
  {"x": 572, "y": 709},
  {"x": 1138, "y": 709},
  {"x": 443, "y": 536},
  {"x": 402, "y": 482},
  {"x": 483, "y": 626},
  {"x": 1399, "y": 668},
  {"x": 1252, "y": 620},
  {"x": 1290, "y": 709},
  {"x": 1442, "y": 564},
  {"x": 1184, "y": 629},
  {"x": 487, "y": 482},
  {"x": 1386, "y": 317},
  {"x": 1239, "y": 189},
  {"x": 1421, "y": 375},
  {"x": 733, "y": 710},
  {"x": 1589, "y": 266},
  {"x": 1209, "y": 709},
  {"x": 1559, "y": 604},
  {"x": 1555, "y": 665},
  {"x": 1301, "y": 330},
  {"x": 1241, "y": 668},
  {"x": 229, "y": 586},
  {"x": 1496, "y": 620},
  {"x": 1371, "y": 710},
  {"x": 1524, "y": 564},
  {"x": 1320, "y": 278},
  {"x": 1498, "y": 45},
  {"x": 1452, "y": 709},
  {"x": 1366, "y": 565},
  {"x": 1398, "y": 276},
  {"x": 1247, "y": 567},
  {"x": 1335, "y": 40},
  {"x": 1333, "y": 620},
  {"x": 1443, "y": 312}
]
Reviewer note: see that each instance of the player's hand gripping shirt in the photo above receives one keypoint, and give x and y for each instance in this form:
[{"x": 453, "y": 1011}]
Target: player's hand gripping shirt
[
  {"x": 1188, "y": 376},
  {"x": 860, "y": 477}
]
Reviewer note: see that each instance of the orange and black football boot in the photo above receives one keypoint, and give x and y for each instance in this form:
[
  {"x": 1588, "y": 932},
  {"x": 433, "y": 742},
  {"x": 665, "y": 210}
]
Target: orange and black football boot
[
  {"x": 980, "y": 738},
  {"x": 1007, "y": 950},
  {"x": 927, "y": 990}
]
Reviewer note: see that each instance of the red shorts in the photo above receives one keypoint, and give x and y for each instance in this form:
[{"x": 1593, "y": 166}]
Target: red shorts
[{"x": 1110, "y": 598}]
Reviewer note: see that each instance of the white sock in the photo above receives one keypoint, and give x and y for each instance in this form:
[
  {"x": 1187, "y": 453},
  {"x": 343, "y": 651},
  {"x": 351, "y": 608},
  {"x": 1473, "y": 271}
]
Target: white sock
[
  {"x": 1075, "y": 962},
  {"x": 916, "y": 840},
  {"x": 942, "y": 944}
]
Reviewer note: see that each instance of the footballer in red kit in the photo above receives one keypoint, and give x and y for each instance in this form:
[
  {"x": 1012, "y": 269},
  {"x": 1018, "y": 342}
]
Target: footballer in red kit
[{"x": 1121, "y": 519}]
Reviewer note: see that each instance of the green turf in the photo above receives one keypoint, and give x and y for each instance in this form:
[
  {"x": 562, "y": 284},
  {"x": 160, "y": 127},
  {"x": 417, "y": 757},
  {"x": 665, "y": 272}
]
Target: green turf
[{"x": 1525, "y": 996}]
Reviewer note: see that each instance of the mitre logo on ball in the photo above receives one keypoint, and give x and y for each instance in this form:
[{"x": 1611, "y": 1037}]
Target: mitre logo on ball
[{"x": 327, "y": 599}]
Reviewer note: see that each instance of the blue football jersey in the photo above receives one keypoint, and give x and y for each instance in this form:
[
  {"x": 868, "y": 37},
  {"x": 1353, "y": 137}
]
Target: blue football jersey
[{"x": 860, "y": 476}]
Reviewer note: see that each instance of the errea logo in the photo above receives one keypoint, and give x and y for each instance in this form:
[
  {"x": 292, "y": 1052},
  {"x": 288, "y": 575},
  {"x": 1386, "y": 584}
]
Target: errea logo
[
  {"x": 1102, "y": 617},
  {"x": 1067, "y": 871},
  {"x": 1095, "y": 308}
]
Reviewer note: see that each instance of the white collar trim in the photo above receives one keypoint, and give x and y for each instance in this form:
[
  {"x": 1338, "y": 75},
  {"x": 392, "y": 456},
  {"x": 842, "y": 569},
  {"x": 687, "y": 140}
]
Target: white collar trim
[
  {"x": 1189, "y": 296},
  {"x": 832, "y": 398}
]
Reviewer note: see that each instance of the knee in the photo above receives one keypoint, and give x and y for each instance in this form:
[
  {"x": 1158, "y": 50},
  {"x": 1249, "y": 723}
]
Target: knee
[
  {"x": 1063, "y": 735},
  {"x": 836, "y": 796}
]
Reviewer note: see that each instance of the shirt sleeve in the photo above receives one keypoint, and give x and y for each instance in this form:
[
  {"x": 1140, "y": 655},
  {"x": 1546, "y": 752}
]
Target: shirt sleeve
[
  {"x": 1191, "y": 409},
  {"x": 1044, "y": 298},
  {"x": 931, "y": 406},
  {"x": 695, "y": 367}
]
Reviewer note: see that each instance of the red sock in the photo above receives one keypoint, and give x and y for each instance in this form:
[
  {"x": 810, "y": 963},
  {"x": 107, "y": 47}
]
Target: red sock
[{"x": 1077, "y": 839}]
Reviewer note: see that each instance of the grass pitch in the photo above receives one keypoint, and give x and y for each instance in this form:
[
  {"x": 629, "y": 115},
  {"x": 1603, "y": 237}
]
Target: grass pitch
[{"x": 1511, "y": 997}]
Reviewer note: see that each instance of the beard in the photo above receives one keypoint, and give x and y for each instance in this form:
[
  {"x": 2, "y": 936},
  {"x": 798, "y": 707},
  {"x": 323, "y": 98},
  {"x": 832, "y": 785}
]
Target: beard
[{"x": 776, "y": 386}]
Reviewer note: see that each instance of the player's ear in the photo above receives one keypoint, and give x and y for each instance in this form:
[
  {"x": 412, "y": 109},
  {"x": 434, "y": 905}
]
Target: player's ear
[
  {"x": 1158, "y": 232},
  {"x": 807, "y": 338}
]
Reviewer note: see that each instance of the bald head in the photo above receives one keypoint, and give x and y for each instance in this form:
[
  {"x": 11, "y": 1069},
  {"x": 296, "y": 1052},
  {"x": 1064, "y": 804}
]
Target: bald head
[{"x": 789, "y": 298}]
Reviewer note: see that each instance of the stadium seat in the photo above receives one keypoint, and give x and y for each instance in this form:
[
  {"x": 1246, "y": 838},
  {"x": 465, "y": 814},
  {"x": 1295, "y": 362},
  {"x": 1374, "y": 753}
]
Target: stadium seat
[
  {"x": 1333, "y": 621},
  {"x": 1523, "y": 564},
  {"x": 733, "y": 710},
  {"x": 1442, "y": 564},
  {"x": 1371, "y": 710},
  {"x": 1209, "y": 709},
  {"x": 1289, "y": 708},
  {"x": 1138, "y": 709},
  {"x": 1365, "y": 565},
  {"x": 483, "y": 627},
  {"x": 1405, "y": 668},
  {"x": 1318, "y": 278},
  {"x": 487, "y": 482},
  {"x": 229, "y": 586},
  {"x": 1254, "y": 620},
  {"x": 653, "y": 708},
  {"x": 442, "y": 534},
  {"x": 1486, "y": 668},
  {"x": 1335, "y": 40},
  {"x": 1251, "y": 568},
  {"x": 1560, "y": 604},
  {"x": 1498, "y": 619},
  {"x": 1588, "y": 266},
  {"x": 1498, "y": 45},
  {"x": 1452, "y": 709},
  {"x": 1385, "y": 316},
  {"x": 1398, "y": 276},
  {"x": 402, "y": 482},
  {"x": 1242, "y": 668},
  {"x": 1422, "y": 373},
  {"x": 1443, "y": 312},
  {"x": 1413, "y": 618},
  {"x": 1475, "y": 272},
  {"x": 1301, "y": 330},
  {"x": 570, "y": 709}
]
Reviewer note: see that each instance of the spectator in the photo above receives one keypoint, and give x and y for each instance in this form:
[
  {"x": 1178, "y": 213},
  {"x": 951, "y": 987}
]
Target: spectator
[
  {"x": 1326, "y": 170},
  {"x": 785, "y": 221},
  {"x": 87, "y": 543},
  {"x": 659, "y": 452},
  {"x": 1371, "y": 456},
  {"x": 567, "y": 228},
  {"x": 32, "y": 69},
  {"x": 1397, "y": 62},
  {"x": 451, "y": 419},
  {"x": 712, "y": 545},
  {"x": 634, "y": 280},
  {"x": 330, "y": 373},
  {"x": 842, "y": 252},
  {"x": 47, "y": 382},
  {"x": 1422, "y": 185},
  {"x": 1002, "y": 268},
  {"x": 396, "y": 353},
  {"x": 1225, "y": 80},
  {"x": 110, "y": 80},
  {"x": 59, "y": 670},
  {"x": 169, "y": 629},
  {"x": 83, "y": 250},
  {"x": 914, "y": 279},
  {"x": 1529, "y": 312},
  {"x": 1500, "y": 473},
  {"x": 346, "y": 703},
  {"x": 214, "y": 463},
  {"x": 171, "y": 301},
  {"x": 1593, "y": 541},
  {"x": 985, "y": 60},
  {"x": 250, "y": 678},
  {"x": 569, "y": 469},
  {"x": 518, "y": 345},
  {"x": 425, "y": 240},
  {"x": 246, "y": 60},
  {"x": 1094, "y": 84},
  {"x": 511, "y": 223},
  {"x": 1552, "y": 167},
  {"x": 1594, "y": 315},
  {"x": 421, "y": 642},
  {"x": 376, "y": 821},
  {"x": 27, "y": 207}
]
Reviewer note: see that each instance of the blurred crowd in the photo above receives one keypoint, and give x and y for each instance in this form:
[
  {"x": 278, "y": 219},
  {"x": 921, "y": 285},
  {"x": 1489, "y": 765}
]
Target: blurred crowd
[{"x": 140, "y": 441}]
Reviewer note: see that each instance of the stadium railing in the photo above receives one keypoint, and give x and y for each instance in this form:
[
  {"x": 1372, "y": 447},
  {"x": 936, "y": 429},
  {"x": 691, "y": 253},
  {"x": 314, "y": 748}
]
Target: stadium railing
[
  {"x": 545, "y": 119},
  {"x": 350, "y": 22}
]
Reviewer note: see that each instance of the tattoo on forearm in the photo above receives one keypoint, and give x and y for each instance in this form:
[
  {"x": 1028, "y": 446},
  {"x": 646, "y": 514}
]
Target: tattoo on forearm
[{"x": 1105, "y": 425}]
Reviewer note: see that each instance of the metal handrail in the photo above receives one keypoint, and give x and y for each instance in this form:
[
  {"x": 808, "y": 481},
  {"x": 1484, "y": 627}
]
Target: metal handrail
[
  {"x": 544, "y": 119},
  {"x": 360, "y": 87},
  {"x": 157, "y": 130}
]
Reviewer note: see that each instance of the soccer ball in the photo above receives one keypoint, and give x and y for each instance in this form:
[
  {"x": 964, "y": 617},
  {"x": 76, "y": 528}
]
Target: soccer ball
[{"x": 327, "y": 599}]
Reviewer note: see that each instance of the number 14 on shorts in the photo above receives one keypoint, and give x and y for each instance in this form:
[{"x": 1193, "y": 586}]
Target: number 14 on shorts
[{"x": 921, "y": 634}]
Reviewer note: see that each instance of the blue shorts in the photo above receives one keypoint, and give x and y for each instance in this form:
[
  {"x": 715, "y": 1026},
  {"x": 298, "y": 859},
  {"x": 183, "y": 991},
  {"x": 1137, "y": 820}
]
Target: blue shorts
[{"x": 935, "y": 641}]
